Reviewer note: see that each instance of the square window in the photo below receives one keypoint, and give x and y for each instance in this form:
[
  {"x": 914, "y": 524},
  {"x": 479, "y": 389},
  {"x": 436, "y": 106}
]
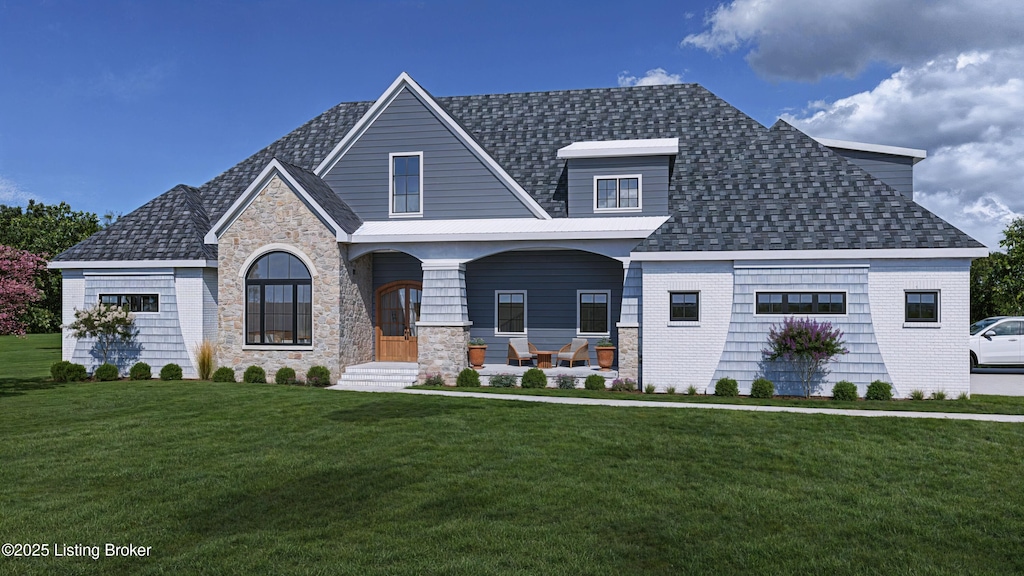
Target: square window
[
  {"x": 684, "y": 306},
  {"x": 614, "y": 193},
  {"x": 922, "y": 306}
]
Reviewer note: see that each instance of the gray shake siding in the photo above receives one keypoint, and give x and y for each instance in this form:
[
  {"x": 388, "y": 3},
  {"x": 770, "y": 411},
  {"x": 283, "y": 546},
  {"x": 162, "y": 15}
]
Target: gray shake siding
[
  {"x": 456, "y": 184},
  {"x": 748, "y": 333},
  {"x": 896, "y": 171},
  {"x": 159, "y": 340},
  {"x": 654, "y": 172},
  {"x": 551, "y": 279},
  {"x": 210, "y": 304}
]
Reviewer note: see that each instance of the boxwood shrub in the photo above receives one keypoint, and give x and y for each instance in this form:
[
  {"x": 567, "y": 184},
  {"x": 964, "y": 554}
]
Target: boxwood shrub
[
  {"x": 222, "y": 374},
  {"x": 65, "y": 371},
  {"x": 285, "y": 375},
  {"x": 255, "y": 375},
  {"x": 762, "y": 388},
  {"x": 106, "y": 373},
  {"x": 468, "y": 378},
  {"x": 879, "y": 390},
  {"x": 140, "y": 371},
  {"x": 594, "y": 382},
  {"x": 503, "y": 381},
  {"x": 173, "y": 372},
  {"x": 318, "y": 376},
  {"x": 727, "y": 387},
  {"x": 844, "y": 390},
  {"x": 535, "y": 378}
]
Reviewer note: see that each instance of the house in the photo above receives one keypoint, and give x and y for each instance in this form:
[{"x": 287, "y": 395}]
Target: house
[{"x": 660, "y": 217}]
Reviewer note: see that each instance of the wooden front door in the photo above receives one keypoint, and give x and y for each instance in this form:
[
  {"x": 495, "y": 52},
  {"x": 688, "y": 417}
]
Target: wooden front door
[{"x": 398, "y": 310}]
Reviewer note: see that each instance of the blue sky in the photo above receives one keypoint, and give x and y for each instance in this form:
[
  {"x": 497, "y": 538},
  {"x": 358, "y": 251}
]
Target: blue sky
[{"x": 105, "y": 105}]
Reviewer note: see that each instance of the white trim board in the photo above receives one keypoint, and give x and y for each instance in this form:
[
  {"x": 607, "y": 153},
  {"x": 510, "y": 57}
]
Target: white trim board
[
  {"x": 620, "y": 148},
  {"x": 914, "y": 153},
  {"x": 505, "y": 229},
  {"x": 751, "y": 255},
  {"x": 404, "y": 81}
]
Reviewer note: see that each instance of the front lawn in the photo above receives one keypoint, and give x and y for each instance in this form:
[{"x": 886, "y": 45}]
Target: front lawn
[{"x": 257, "y": 479}]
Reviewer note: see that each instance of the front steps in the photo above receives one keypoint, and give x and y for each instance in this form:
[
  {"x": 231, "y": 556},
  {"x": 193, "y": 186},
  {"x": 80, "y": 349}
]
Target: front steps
[{"x": 378, "y": 375}]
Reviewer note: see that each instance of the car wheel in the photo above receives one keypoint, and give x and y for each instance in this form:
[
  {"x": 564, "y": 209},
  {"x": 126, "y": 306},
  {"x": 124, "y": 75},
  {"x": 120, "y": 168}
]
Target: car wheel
[{"x": 974, "y": 361}]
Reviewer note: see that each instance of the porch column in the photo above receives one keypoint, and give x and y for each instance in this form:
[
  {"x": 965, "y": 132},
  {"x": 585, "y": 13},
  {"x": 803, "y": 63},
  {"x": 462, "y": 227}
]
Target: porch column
[
  {"x": 443, "y": 327},
  {"x": 629, "y": 320}
]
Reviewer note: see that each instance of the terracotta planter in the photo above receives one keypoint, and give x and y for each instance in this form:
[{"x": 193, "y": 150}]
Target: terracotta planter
[
  {"x": 605, "y": 357},
  {"x": 477, "y": 355}
]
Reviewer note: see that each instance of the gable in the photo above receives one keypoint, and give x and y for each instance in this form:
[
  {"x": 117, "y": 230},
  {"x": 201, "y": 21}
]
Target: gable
[{"x": 457, "y": 184}]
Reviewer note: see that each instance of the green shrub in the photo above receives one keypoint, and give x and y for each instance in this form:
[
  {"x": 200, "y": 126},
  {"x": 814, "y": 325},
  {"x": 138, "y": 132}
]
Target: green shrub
[
  {"x": 468, "y": 378},
  {"x": 878, "y": 390},
  {"x": 140, "y": 371},
  {"x": 963, "y": 396},
  {"x": 762, "y": 388},
  {"x": 434, "y": 380},
  {"x": 318, "y": 376},
  {"x": 670, "y": 390},
  {"x": 503, "y": 381},
  {"x": 222, "y": 374},
  {"x": 624, "y": 385},
  {"x": 594, "y": 382},
  {"x": 106, "y": 373},
  {"x": 939, "y": 395},
  {"x": 565, "y": 382},
  {"x": 691, "y": 390},
  {"x": 727, "y": 387},
  {"x": 845, "y": 391},
  {"x": 255, "y": 375},
  {"x": 650, "y": 389},
  {"x": 65, "y": 371},
  {"x": 917, "y": 394},
  {"x": 535, "y": 378},
  {"x": 173, "y": 372},
  {"x": 285, "y": 375}
]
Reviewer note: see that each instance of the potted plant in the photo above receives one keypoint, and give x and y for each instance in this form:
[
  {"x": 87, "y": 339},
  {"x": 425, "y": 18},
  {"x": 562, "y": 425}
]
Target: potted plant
[
  {"x": 605, "y": 353},
  {"x": 477, "y": 352}
]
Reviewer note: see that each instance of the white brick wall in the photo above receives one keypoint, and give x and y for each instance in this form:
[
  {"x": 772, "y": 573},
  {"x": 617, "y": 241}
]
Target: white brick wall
[
  {"x": 188, "y": 291},
  {"x": 73, "y": 290},
  {"x": 681, "y": 355},
  {"x": 917, "y": 358}
]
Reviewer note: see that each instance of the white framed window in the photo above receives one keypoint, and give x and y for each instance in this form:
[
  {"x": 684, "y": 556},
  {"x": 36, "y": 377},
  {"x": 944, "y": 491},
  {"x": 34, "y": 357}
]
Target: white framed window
[
  {"x": 620, "y": 193},
  {"x": 135, "y": 303},
  {"x": 593, "y": 312},
  {"x": 405, "y": 184},
  {"x": 509, "y": 312}
]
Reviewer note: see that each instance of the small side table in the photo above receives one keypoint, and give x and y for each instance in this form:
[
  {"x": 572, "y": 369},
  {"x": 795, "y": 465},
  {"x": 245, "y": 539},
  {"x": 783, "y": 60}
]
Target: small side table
[{"x": 544, "y": 358}]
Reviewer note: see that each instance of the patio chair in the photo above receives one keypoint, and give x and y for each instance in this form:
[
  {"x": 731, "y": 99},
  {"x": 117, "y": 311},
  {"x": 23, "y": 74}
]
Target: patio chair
[
  {"x": 573, "y": 352},
  {"x": 520, "y": 350}
]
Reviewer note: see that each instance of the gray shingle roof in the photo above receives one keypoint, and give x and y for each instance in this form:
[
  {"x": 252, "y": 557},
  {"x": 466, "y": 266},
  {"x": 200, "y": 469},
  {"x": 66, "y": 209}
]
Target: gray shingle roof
[
  {"x": 735, "y": 184},
  {"x": 325, "y": 197}
]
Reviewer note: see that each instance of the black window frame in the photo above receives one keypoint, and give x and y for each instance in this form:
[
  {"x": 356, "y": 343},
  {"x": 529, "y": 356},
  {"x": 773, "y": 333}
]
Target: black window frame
[
  {"x": 261, "y": 284},
  {"x": 499, "y": 306},
  {"x": 695, "y": 306},
  {"x": 136, "y": 303},
  {"x": 606, "y": 294},
  {"x": 918, "y": 319},
  {"x": 808, "y": 303}
]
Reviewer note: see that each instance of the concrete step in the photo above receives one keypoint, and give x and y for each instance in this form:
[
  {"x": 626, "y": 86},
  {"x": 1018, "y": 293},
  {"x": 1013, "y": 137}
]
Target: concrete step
[{"x": 378, "y": 374}]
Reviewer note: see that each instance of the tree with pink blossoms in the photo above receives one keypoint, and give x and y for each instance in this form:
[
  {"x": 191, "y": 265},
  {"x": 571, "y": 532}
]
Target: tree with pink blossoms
[
  {"x": 18, "y": 272},
  {"x": 808, "y": 346}
]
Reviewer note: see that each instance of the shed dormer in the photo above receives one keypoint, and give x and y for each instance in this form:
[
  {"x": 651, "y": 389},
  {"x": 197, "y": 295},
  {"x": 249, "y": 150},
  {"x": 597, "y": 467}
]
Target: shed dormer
[
  {"x": 890, "y": 164},
  {"x": 619, "y": 177}
]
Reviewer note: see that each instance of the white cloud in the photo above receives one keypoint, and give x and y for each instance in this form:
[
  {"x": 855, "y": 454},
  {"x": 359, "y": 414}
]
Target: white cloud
[
  {"x": 801, "y": 40},
  {"x": 653, "y": 77},
  {"x": 12, "y": 195}
]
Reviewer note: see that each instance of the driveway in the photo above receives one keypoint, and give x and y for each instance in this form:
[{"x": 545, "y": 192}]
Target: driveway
[{"x": 999, "y": 381}]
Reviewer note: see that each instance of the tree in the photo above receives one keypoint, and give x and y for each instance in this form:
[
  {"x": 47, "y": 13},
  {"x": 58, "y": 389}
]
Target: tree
[
  {"x": 1012, "y": 269},
  {"x": 987, "y": 291},
  {"x": 18, "y": 271},
  {"x": 808, "y": 346},
  {"x": 45, "y": 230},
  {"x": 113, "y": 327}
]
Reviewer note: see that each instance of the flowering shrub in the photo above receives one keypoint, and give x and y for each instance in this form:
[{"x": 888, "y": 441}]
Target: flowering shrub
[
  {"x": 18, "y": 270},
  {"x": 624, "y": 385},
  {"x": 807, "y": 345},
  {"x": 111, "y": 326}
]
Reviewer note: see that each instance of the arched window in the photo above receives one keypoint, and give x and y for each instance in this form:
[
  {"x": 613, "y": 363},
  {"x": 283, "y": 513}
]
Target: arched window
[{"x": 278, "y": 301}]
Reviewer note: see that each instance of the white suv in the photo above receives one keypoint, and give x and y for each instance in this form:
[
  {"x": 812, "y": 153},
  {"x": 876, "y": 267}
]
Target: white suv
[{"x": 997, "y": 340}]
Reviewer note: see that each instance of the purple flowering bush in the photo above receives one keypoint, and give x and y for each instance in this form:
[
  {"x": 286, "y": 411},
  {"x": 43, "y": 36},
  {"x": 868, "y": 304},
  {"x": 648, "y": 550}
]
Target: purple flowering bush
[{"x": 808, "y": 346}]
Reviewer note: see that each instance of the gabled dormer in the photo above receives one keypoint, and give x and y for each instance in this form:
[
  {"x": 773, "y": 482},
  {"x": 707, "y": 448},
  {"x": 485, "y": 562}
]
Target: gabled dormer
[{"x": 619, "y": 177}]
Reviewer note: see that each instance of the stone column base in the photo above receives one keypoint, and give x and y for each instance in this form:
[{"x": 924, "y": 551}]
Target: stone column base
[
  {"x": 442, "y": 350},
  {"x": 629, "y": 352}
]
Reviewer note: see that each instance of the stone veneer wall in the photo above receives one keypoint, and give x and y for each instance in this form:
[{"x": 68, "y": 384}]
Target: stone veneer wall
[
  {"x": 629, "y": 353},
  {"x": 442, "y": 350},
  {"x": 342, "y": 332}
]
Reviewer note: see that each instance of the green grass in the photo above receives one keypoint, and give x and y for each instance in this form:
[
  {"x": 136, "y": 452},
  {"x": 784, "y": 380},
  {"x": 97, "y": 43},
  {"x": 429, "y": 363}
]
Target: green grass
[
  {"x": 977, "y": 404},
  {"x": 255, "y": 479},
  {"x": 25, "y": 362}
]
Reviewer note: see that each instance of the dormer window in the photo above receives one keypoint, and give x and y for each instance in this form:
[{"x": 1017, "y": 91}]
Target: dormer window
[
  {"x": 618, "y": 193},
  {"x": 406, "y": 185}
]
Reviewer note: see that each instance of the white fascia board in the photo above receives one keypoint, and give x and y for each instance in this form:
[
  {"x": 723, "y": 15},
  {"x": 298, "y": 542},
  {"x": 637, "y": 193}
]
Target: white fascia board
[
  {"x": 507, "y": 229},
  {"x": 619, "y": 148},
  {"x": 112, "y": 264},
  {"x": 914, "y": 153},
  {"x": 385, "y": 100},
  {"x": 250, "y": 194},
  {"x": 751, "y": 255}
]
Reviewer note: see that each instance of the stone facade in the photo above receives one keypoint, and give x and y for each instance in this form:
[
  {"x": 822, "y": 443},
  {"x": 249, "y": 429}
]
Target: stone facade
[
  {"x": 277, "y": 220},
  {"x": 442, "y": 350},
  {"x": 629, "y": 352}
]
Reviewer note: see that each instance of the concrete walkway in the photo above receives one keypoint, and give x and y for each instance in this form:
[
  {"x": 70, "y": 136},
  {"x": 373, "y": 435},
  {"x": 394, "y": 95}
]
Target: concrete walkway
[{"x": 646, "y": 404}]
